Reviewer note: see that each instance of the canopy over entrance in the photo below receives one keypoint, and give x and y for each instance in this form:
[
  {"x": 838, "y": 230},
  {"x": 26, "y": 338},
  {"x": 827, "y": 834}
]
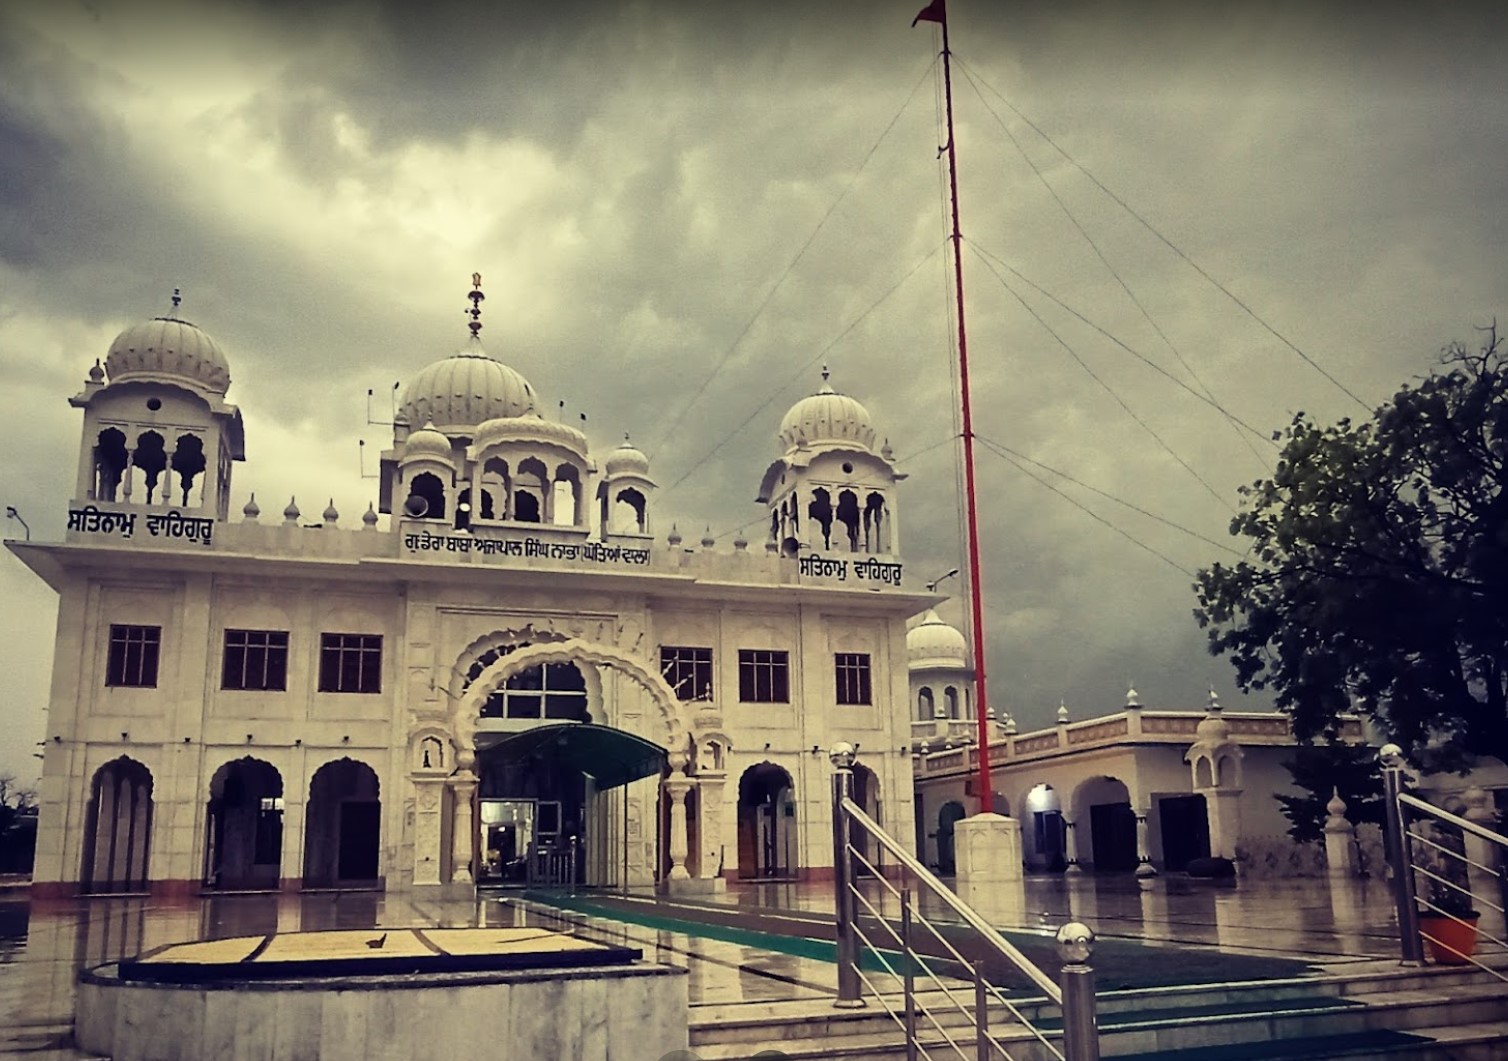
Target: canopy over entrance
[{"x": 610, "y": 757}]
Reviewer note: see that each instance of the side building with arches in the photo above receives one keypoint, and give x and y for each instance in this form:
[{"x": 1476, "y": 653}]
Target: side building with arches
[
  {"x": 504, "y": 672},
  {"x": 1138, "y": 791}
]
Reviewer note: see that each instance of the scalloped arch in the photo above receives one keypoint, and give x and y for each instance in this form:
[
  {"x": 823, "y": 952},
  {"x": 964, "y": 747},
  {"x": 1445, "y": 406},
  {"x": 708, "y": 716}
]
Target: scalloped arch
[
  {"x": 467, "y": 709},
  {"x": 495, "y": 639}
]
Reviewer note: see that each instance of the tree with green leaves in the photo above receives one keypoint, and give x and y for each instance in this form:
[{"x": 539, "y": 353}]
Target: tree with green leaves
[
  {"x": 1321, "y": 771},
  {"x": 1376, "y": 578}
]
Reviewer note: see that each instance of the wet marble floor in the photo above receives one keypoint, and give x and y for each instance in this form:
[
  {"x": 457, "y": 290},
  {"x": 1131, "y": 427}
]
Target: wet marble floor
[{"x": 42, "y": 946}]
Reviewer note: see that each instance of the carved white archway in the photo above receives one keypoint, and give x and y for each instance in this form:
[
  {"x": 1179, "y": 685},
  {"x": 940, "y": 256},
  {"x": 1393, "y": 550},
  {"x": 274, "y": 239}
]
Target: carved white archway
[{"x": 467, "y": 708}]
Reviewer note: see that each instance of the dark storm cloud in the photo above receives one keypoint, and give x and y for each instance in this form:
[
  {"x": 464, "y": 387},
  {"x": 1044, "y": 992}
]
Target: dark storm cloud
[{"x": 634, "y": 179}]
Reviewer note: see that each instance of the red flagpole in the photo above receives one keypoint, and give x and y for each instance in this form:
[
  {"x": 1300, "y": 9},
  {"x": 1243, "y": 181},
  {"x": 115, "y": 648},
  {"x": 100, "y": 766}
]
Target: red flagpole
[{"x": 937, "y": 12}]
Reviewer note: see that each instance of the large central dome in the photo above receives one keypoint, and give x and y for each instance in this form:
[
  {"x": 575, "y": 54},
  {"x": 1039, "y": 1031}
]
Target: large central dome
[{"x": 463, "y": 391}]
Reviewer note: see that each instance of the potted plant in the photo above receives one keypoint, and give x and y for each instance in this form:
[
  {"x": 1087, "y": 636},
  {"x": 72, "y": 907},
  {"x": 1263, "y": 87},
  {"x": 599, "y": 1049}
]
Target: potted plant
[{"x": 1448, "y": 921}]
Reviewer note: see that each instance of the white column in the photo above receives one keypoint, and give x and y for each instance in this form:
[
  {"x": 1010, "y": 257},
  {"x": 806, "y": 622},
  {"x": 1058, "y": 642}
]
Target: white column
[
  {"x": 462, "y": 786},
  {"x": 1144, "y": 867},
  {"x": 676, "y": 788},
  {"x": 1340, "y": 852},
  {"x": 1071, "y": 847}
]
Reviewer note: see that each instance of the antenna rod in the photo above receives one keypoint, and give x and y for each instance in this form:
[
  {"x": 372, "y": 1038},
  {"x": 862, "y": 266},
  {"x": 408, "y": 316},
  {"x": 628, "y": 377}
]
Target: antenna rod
[{"x": 937, "y": 12}]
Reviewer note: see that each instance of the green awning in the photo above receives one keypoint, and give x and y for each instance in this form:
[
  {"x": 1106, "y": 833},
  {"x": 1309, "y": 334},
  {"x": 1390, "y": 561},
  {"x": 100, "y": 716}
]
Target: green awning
[{"x": 610, "y": 757}]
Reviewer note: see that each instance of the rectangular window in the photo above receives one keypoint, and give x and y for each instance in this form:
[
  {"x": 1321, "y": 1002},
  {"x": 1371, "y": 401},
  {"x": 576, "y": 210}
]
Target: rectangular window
[
  {"x": 688, "y": 671},
  {"x": 350, "y": 663},
  {"x": 764, "y": 676},
  {"x": 255, "y": 659},
  {"x": 853, "y": 677},
  {"x": 133, "y": 656}
]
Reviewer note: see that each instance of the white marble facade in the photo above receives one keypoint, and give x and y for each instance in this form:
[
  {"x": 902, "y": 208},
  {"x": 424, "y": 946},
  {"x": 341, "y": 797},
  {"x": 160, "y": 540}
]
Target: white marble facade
[{"x": 261, "y": 700}]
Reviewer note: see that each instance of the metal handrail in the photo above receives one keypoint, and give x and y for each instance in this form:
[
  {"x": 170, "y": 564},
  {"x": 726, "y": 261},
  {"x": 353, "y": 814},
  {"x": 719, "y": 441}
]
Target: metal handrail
[
  {"x": 987, "y": 931},
  {"x": 982, "y": 988},
  {"x": 1464, "y": 824},
  {"x": 1073, "y": 993},
  {"x": 1402, "y": 838}
]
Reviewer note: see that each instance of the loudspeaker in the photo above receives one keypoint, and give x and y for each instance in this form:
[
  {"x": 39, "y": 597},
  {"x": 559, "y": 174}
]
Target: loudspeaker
[{"x": 415, "y": 507}]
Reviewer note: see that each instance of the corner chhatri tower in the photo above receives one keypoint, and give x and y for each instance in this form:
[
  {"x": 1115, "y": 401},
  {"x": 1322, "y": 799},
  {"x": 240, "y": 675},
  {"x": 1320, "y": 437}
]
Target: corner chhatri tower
[{"x": 507, "y": 680}]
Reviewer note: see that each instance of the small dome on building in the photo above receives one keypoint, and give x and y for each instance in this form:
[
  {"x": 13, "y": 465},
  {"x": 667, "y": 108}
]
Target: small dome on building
[
  {"x": 529, "y": 430},
  {"x": 934, "y": 643},
  {"x": 827, "y": 417},
  {"x": 166, "y": 348},
  {"x": 626, "y": 460},
  {"x": 427, "y": 443},
  {"x": 467, "y": 389}
]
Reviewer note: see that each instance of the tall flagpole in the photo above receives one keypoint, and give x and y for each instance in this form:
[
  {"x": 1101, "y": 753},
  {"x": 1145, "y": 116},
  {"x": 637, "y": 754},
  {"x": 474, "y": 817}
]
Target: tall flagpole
[{"x": 937, "y": 12}]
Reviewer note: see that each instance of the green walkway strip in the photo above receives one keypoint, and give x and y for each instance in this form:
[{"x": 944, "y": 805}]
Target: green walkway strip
[
  {"x": 1119, "y": 963},
  {"x": 1367, "y": 1044},
  {"x": 798, "y": 946}
]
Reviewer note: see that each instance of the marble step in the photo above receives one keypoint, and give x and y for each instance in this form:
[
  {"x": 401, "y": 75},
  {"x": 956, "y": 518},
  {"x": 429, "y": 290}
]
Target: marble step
[
  {"x": 1475, "y": 1042},
  {"x": 813, "y": 1029}
]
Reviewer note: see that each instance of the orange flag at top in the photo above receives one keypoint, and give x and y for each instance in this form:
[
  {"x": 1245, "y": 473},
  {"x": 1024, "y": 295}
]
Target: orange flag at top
[{"x": 933, "y": 12}]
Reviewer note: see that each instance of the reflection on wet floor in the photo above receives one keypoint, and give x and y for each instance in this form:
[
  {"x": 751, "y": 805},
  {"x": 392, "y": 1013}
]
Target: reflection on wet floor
[{"x": 42, "y": 946}]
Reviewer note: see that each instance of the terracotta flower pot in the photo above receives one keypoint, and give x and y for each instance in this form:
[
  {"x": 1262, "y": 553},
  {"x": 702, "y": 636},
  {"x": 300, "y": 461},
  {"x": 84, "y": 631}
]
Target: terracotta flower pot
[{"x": 1450, "y": 941}]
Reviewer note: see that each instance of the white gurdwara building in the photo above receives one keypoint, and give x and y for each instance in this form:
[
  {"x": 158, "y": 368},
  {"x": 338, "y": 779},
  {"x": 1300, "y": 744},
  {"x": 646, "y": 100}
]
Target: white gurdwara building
[{"x": 506, "y": 679}]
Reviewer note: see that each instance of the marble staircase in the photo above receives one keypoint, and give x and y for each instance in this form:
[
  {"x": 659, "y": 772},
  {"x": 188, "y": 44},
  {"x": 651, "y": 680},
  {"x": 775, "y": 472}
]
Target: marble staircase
[{"x": 1379, "y": 1011}]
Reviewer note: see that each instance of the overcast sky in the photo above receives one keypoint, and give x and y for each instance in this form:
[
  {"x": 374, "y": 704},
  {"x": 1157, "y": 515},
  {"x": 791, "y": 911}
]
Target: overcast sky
[{"x": 634, "y": 182}]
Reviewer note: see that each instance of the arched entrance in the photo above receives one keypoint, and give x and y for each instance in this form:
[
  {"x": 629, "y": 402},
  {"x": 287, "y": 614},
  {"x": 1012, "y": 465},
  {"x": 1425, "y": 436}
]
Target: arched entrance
[
  {"x": 118, "y": 829},
  {"x": 243, "y": 848},
  {"x": 495, "y": 707},
  {"x": 866, "y": 793},
  {"x": 1105, "y": 804},
  {"x": 342, "y": 830},
  {"x": 537, "y": 793},
  {"x": 1185, "y": 828},
  {"x": 766, "y": 823},
  {"x": 950, "y": 815},
  {"x": 1046, "y": 832}
]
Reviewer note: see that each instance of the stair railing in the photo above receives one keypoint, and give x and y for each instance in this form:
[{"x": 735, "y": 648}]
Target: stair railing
[
  {"x": 911, "y": 946},
  {"x": 1462, "y": 865}
]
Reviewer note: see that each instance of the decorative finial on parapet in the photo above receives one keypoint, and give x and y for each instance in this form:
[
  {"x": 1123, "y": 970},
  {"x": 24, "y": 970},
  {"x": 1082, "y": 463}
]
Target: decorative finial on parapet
[
  {"x": 1062, "y": 712},
  {"x": 369, "y": 517},
  {"x": 707, "y": 540},
  {"x": 331, "y": 516},
  {"x": 675, "y": 536},
  {"x": 1133, "y": 698},
  {"x": 252, "y": 509},
  {"x": 291, "y": 513},
  {"x": 842, "y": 755},
  {"x": 475, "y": 312},
  {"x": 1214, "y": 705}
]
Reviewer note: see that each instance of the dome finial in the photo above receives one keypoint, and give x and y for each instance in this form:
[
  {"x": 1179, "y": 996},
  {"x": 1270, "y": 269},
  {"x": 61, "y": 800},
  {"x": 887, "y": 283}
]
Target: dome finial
[
  {"x": 475, "y": 312},
  {"x": 177, "y": 298},
  {"x": 825, "y": 372}
]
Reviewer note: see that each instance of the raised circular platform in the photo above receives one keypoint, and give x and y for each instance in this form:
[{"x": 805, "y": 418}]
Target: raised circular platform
[
  {"x": 375, "y": 994},
  {"x": 373, "y": 952}
]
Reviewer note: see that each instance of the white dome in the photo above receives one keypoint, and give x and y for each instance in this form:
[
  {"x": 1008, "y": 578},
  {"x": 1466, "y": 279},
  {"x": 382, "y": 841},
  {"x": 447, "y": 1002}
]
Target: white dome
[
  {"x": 626, "y": 460},
  {"x": 427, "y": 443},
  {"x": 465, "y": 390},
  {"x": 527, "y": 429},
  {"x": 934, "y": 643},
  {"x": 827, "y": 417},
  {"x": 165, "y": 348}
]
